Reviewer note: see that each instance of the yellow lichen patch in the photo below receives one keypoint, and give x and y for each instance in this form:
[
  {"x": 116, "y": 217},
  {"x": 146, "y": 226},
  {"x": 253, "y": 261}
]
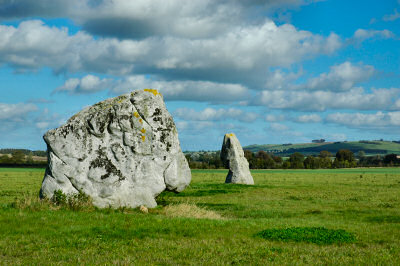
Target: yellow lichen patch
[
  {"x": 141, "y": 121},
  {"x": 155, "y": 92},
  {"x": 136, "y": 114},
  {"x": 230, "y": 135},
  {"x": 143, "y": 138},
  {"x": 143, "y": 130}
]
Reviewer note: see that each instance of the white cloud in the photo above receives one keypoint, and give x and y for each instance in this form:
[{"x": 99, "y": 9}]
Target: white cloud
[
  {"x": 356, "y": 99},
  {"x": 211, "y": 114},
  {"x": 379, "y": 120},
  {"x": 278, "y": 80},
  {"x": 341, "y": 77},
  {"x": 185, "y": 90},
  {"x": 311, "y": 118},
  {"x": 87, "y": 84},
  {"x": 241, "y": 55},
  {"x": 278, "y": 127},
  {"x": 392, "y": 17},
  {"x": 144, "y": 18},
  {"x": 18, "y": 112},
  {"x": 361, "y": 34},
  {"x": 171, "y": 90},
  {"x": 275, "y": 118}
]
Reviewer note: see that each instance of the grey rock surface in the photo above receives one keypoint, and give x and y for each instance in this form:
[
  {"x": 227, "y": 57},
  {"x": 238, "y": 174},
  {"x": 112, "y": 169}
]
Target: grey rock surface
[
  {"x": 123, "y": 151},
  {"x": 232, "y": 156}
]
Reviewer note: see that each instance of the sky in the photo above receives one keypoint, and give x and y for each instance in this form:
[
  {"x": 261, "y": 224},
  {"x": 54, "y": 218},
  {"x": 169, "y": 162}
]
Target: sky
[{"x": 272, "y": 71}]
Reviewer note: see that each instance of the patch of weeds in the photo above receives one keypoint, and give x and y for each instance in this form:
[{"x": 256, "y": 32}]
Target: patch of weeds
[
  {"x": 316, "y": 235},
  {"x": 353, "y": 199},
  {"x": 222, "y": 186},
  {"x": 74, "y": 202},
  {"x": 293, "y": 198},
  {"x": 222, "y": 206},
  {"x": 251, "y": 213},
  {"x": 277, "y": 250},
  {"x": 384, "y": 219},
  {"x": 314, "y": 212},
  {"x": 203, "y": 192},
  {"x": 385, "y": 205}
]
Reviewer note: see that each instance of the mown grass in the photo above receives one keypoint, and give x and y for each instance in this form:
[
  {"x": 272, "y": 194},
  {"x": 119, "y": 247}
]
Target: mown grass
[{"x": 211, "y": 222}]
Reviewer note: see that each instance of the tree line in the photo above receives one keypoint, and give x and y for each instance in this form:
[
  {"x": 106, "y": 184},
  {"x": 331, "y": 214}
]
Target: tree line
[
  {"x": 20, "y": 158},
  {"x": 324, "y": 160}
]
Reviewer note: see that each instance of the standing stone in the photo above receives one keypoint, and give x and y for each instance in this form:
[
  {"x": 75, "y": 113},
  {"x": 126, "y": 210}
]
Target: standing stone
[
  {"x": 123, "y": 151},
  {"x": 232, "y": 156}
]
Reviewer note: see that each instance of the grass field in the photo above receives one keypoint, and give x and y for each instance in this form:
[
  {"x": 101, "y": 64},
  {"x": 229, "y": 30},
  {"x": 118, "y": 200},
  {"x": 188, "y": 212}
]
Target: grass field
[{"x": 212, "y": 222}]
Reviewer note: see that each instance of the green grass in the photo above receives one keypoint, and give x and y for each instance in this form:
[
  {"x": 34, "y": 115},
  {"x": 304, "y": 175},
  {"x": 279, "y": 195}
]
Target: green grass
[
  {"x": 317, "y": 235},
  {"x": 356, "y": 213}
]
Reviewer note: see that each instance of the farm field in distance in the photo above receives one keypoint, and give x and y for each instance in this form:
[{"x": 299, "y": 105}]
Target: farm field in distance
[{"x": 211, "y": 222}]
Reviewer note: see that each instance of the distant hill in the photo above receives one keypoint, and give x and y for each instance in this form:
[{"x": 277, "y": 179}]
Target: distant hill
[{"x": 369, "y": 147}]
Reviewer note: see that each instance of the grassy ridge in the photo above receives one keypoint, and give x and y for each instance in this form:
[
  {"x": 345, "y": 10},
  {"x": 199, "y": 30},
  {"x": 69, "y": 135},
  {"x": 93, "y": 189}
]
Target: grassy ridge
[
  {"x": 363, "y": 202},
  {"x": 369, "y": 147}
]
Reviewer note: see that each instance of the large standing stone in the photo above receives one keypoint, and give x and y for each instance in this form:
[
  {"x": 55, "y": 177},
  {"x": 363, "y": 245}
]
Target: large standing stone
[
  {"x": 122, "y": 151},
  {"x": 232, "y": 156}
]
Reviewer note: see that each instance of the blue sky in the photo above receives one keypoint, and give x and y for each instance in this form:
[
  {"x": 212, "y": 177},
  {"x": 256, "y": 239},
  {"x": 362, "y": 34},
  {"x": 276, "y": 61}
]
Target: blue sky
[{"x": 285, "y": 71}]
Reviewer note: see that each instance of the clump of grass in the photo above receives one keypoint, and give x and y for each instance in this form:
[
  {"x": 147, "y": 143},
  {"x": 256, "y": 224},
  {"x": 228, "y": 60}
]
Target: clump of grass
[
  {"x": 75, "y": 202},
  {"x": 31, "y": 202},
  {"x": 316, "y": 235},
  {"x": 187, "y": 210}
]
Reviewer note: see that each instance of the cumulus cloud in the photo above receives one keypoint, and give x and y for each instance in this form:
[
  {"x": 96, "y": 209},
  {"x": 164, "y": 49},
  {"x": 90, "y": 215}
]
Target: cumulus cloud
[
  {"x": 17, "y": 112},
  {"x": 142, "y": 18},
  {"x": 310, "y": 118},
  {"x": 240, "y": 55},
  {"x": 392, "y": 17},
  {"x": 275, "y": 118},
  {"x": 211, "y": 114},
  {"x": 87, "y": 84},
  {"x": 341, "y": 77},
  {"x": 379, "y": 120},
  {"x": 172, "y": 90},
  {"x": 361, "y": 34},
  {"x": 15, "y": 115},
  {"x": 278, "y": 79},
  {"x": 355, "y": 99},
  {"x": 278, "y": 127}
]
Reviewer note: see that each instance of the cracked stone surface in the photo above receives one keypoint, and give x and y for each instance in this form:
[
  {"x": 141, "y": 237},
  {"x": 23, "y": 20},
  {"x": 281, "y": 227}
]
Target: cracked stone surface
[
  {"x": 232, "y": 156},
  {"x": 123, "y": 151}
]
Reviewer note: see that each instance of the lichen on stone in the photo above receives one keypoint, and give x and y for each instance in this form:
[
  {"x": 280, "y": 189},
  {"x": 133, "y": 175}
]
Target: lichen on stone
[{"x": 155, "y": 92}]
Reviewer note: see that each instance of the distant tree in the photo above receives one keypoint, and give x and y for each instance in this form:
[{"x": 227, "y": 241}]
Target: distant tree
[
  {"x": 325, "y": 154},
  {"x": 312, "y": 162},
  {"x": 263, "y": 155},
  {"x": 286, "y": 164},
  {"x": 5, "y": 159},
  {"x": 249, "y": 155},
  {"x": 360, "y": 154},
  {"x": 29, "y": 158},
  {"x": 391, "y": 159},
  {"x": 277, "y": 159},
  {"x": 345, "y": 155},
  {"x": 344, "y": 159},
  {"x": 17, "y": 157},
  {"x": 296, "y": 160}
]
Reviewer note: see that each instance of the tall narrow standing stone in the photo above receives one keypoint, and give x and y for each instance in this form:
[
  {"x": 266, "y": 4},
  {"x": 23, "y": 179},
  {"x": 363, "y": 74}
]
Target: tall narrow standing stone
[{"x": 232, "y": 156}]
